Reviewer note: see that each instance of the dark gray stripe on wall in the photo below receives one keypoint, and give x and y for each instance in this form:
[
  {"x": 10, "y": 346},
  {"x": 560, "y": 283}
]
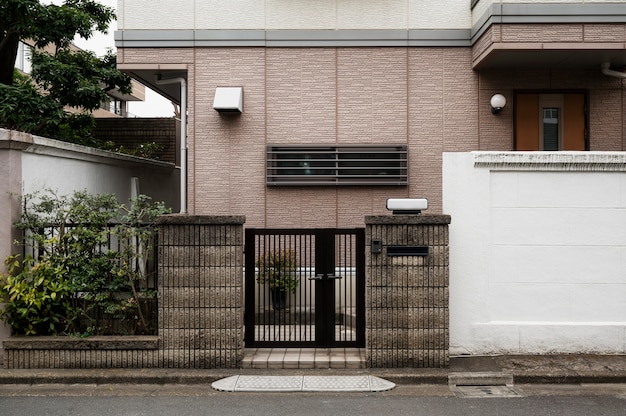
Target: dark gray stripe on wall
[{"x": 290, "y": 38}]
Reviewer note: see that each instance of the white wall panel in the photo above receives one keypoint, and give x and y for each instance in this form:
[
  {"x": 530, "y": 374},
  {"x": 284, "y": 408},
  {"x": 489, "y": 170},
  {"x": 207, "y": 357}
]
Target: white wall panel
[
  {"x": 556, "y": 189},
  {"x": 301, "y": 14},
  {"x": 378, "y": 14},
  {"x": 567, "y": 264},
  {"x": 540, "y": 252},
  {"x": 597, "y": 302},
  {"x": 293, "y": 14},
  {"x": 529, "y": 302},
  {"x": 435, "y": 14},
  {"x": 231, "y": 14},
  {"x": 159, "y": 14}
]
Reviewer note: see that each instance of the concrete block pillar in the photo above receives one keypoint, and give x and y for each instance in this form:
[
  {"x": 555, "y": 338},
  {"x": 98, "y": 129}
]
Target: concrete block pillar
[
  {"x": 201, "y": 291},
  {"x": 407, "y": 274}
]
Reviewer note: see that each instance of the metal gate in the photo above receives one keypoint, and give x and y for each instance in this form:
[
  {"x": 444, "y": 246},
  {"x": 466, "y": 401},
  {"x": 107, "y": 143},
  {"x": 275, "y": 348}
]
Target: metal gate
[{"x": 305, "y": 288}]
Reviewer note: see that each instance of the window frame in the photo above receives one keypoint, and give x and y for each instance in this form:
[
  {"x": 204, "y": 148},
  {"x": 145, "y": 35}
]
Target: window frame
[{"x": 336, "y": 165}]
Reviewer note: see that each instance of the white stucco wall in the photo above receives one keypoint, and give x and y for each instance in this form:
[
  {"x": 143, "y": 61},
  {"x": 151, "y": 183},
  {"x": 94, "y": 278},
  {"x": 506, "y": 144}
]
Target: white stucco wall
[
  {"x": 537, "y": 251},
  {"x": 293, "y": 14},
  {"x": 65, "y": 168},
  {"x": 29, "y": 163}
]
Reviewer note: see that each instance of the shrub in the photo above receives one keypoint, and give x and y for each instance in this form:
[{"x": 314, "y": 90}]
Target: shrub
[
  {"x": 277, "y": 269},
  {"x": 77, "y": 280}
]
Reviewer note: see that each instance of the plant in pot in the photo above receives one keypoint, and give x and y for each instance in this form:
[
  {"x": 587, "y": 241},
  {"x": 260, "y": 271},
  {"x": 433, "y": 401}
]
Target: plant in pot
[{"x": 277, "y": 270}]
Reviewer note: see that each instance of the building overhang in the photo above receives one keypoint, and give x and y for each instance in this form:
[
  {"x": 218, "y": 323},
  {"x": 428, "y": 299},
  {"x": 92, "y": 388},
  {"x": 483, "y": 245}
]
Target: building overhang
[
  {"x": 550, "y": 56},
  {"x": 148, "y": 74},
  {"x": 556, "y": 35}
]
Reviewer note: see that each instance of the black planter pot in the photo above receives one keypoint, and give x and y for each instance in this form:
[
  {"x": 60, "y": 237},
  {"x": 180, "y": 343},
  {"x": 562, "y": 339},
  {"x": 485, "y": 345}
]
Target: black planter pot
[{"x": 279, "y": 298}]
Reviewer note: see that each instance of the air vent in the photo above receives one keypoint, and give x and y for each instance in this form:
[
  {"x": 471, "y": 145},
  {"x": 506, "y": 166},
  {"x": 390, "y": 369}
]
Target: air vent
[
  {"x": 228, "y": 99},
  {"x": 337, "y": 165}
]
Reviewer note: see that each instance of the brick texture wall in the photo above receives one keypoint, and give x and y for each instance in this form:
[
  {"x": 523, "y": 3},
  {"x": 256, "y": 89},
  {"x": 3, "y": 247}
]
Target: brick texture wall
[
  {"x": 407, "y": 297},
  {"x": 201, "y": 291},
  {"x": 427, "y": 98}
]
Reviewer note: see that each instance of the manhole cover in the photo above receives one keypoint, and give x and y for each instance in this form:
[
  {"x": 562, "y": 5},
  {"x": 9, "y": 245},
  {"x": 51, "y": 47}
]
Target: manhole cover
[{"x": 486, "y": 391}]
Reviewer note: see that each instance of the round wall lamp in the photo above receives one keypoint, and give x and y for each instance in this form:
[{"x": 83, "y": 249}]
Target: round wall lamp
[{"x": 497, "y": 103}]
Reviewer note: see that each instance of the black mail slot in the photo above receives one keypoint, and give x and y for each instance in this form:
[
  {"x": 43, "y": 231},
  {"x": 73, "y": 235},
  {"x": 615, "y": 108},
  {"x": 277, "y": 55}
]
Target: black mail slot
[{"x": 407, "y": 251}]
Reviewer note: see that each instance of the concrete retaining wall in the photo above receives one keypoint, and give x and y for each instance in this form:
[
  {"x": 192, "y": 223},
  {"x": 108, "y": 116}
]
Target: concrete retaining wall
[{"x": 538, "y": 251}]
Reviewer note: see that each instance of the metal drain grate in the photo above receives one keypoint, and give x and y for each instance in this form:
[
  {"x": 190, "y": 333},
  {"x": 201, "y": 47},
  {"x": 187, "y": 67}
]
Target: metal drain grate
[
  {"x": 486, "y": 391},
  {"x": 483, "y": 385}
]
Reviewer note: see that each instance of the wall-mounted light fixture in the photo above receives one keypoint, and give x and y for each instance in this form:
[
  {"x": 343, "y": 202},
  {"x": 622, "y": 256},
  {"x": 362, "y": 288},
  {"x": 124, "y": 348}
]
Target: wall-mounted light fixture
[
  {"x": 407, "y": 205},
  {"x": 498, "y": 101}
]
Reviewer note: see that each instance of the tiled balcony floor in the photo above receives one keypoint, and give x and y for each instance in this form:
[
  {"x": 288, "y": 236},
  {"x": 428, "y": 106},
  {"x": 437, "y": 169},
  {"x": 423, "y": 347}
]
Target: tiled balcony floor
[{"x": 292, "y": 358}]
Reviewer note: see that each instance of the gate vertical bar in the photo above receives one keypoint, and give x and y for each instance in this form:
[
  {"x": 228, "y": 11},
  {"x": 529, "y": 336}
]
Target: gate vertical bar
[
  {"x": 360, "y": 287},
  {"x": 325, "y": 287},
  {"x": 250, "y": 307}
]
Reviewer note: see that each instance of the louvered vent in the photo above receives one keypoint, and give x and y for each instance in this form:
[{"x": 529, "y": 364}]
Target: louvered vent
[{"x": 336, "y": 165}]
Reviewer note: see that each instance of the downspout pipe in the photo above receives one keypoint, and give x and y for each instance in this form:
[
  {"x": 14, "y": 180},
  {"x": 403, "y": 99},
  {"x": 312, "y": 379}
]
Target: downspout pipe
[
  {"x": 183, "y": 136},
  {"x": 607, "y": 71}
]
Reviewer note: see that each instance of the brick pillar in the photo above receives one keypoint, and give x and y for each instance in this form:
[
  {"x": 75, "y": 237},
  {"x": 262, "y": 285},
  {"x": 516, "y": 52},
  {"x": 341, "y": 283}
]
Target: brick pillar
[
  {"x": 201, "y": 291},
  {"x": 407, "y": 318}
]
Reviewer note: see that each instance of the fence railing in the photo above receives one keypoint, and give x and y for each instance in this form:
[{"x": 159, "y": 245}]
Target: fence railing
[{"x": 137, "y": 254}]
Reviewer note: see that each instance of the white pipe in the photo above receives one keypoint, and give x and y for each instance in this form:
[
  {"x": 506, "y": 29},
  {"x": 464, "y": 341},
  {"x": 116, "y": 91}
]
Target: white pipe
[
  {"x": 183, "y": 137},
  {"x": 607, "y": 71}
]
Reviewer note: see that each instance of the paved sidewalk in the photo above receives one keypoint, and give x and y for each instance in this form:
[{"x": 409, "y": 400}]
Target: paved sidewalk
[{"x": 552, "y": 369}]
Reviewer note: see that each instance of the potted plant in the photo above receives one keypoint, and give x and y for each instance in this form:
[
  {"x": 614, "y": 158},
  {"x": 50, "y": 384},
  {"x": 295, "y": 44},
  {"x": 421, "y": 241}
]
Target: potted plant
[{"x": 277, "y": 271}]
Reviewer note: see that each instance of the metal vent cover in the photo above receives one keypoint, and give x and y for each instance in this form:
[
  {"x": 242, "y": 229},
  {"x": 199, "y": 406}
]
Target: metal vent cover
[{"x": 346, "y": 165}]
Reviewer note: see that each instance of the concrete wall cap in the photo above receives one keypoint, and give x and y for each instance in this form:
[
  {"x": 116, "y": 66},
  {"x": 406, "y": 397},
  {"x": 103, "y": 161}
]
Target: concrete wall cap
[
  {"x": 184, "y": 219},
  {"x": 407, "y": 219}
]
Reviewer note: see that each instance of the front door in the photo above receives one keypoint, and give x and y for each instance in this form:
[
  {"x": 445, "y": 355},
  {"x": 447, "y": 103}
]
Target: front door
[
  {"x": 550, "y": 121},
  {"x": 305, "y": 288}
]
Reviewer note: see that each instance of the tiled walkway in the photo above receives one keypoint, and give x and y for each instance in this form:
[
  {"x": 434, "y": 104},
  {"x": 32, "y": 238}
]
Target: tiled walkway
[{"x": 292, "y": 358}]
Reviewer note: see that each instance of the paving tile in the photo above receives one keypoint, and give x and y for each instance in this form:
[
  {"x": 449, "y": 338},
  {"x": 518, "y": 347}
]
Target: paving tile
[
  {"x": 304, "y": 358},
  {"x": 302, "y": 383}
]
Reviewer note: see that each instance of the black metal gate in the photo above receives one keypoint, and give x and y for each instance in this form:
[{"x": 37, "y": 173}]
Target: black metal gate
[{"x": 305, "y": 288}]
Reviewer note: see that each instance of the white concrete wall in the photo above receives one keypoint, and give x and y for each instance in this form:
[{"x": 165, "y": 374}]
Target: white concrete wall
[
  {"x": 537, "y": 251},
  {"x": 293, "y": 14},
  {"x": 30, "y": 163},
  {"x": 65, "y": 168}
]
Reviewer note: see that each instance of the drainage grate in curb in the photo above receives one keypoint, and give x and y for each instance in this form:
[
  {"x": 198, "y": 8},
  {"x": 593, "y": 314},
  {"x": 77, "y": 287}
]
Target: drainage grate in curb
[
  {"x": 302, "y": 383},
  {"x": 483, "y": 385},
  {"x": 486, "y": 391}
]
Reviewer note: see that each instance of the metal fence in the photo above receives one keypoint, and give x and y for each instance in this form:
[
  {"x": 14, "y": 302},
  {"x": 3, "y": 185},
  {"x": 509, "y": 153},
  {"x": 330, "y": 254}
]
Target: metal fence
[
  {"x": 322, "y": 305},
  {"x": 144, "y": 267}
]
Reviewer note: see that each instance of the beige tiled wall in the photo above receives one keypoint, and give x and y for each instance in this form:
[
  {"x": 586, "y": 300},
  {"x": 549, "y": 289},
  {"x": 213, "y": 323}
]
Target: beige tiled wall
[{"x": 427, "y": 98}]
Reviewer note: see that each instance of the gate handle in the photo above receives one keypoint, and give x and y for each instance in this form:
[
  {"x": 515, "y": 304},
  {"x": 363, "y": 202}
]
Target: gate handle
[{"x": 324, "y": 276}]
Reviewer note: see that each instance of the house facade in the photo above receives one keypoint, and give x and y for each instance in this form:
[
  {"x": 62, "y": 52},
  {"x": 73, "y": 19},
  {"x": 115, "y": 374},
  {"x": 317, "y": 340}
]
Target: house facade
[
  {"x": 317, "y": 76},
  {"x": 332, "y": 107}
]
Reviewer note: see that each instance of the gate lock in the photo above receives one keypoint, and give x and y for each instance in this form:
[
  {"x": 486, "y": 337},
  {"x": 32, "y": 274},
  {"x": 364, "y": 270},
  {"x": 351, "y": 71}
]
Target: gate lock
[{"x": 324, "y": 276}]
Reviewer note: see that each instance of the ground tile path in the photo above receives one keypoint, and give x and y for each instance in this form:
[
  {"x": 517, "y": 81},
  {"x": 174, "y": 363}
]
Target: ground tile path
[{"x": 303, "y": 383}]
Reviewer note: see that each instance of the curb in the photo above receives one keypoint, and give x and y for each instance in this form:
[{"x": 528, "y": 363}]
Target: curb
[{"x": 194, "y": 377}]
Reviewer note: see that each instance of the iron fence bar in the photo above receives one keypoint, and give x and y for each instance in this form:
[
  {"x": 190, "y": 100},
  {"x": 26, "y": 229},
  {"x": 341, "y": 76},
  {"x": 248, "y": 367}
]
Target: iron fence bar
[
  {"x": 249, "y": 314},
  {"x": 293, "y": 327}
]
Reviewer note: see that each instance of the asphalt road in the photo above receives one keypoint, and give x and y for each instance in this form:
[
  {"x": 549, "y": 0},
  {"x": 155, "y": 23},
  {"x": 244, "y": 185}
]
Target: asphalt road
[{"x": 150, "y": 400}]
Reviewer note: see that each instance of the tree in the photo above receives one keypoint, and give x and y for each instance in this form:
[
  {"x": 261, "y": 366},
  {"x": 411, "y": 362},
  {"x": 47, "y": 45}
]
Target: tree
[
  {"x": 46, "y": 25},
  {"x": 62, "y": 75}
]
